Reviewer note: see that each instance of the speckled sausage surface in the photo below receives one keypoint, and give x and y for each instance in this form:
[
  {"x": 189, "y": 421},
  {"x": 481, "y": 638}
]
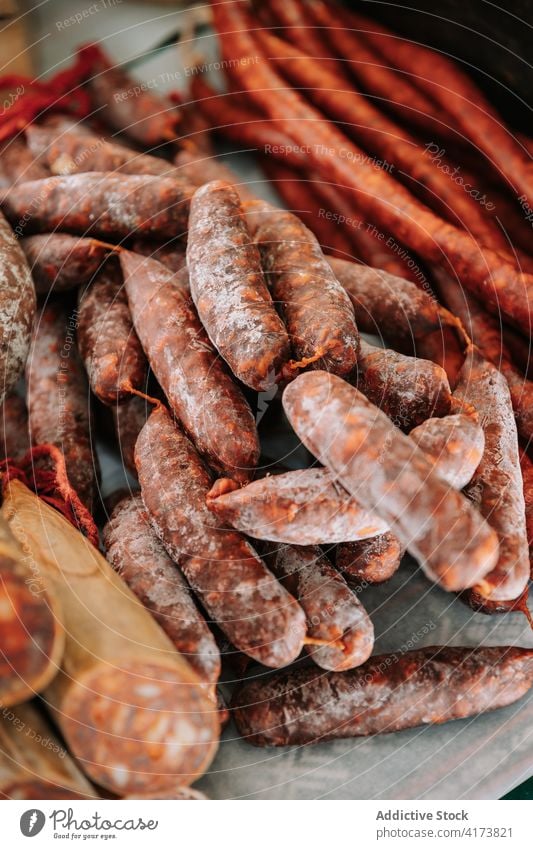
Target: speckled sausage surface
[
  {"x": 255, "y": 612},
  {"x": 113, "y": 206},
  {"x": 18, "y": 164},
  {"x": 409, "y": 319},
  {"x": 409, "y": 389},
  {"x": 317, "y": 311},
  {"x": 202, "y": 394},
  {"x": 128, "y": 420},
  {"x": 371, "y": 561},
  {"x": 388, "y": 693},
  {"x": 136, "y": 553},
  {"x": 229, "y": 290},
  {"x": 382, "y": 467},
  {"x": 304, "y": 507},
  {"x": 14, "y": 433},
  {"x": 108, "y": 344},
  {"x": 334, "y": 613},
  {"x": 497, "y": 487},
  {"x": 60, "y": 262},
  {"x": 455, "y": 443},
  {"x": 17, "y": 309},
  {"x": 58, "y": 397}
]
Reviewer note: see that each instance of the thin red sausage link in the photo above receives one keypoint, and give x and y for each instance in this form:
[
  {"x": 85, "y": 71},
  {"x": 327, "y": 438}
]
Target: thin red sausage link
[
  {"x": 461, "y": 103},
  {"x": 409, "y": 389},
  {"x": 328, "y": 91},
  {"x": 108, "y": 344},
  {"x": 393, "y": 208},
  {"x": 334, "y": 613},
  {"x": 143, "y": 115},
  {"x": 371, "y": 561},
  {"x": 408, "y": 318},
  {"x": 486, "y": 333},
  {"x": 60, "y": 262},
  {"x": 17, "y": 309},
  {"x": 140, "y": 559},
  {"x": 229, "y": 289},
  {"x": 317, "y": 311},
  {"x": 390, "y": 692},
  {"x": 201, "y": 393},
  {"x": 497, "y": 487},
  {"x": 255, "y": 612},
  {"x": 113, "y": 206},
  {"x": 378, "y": 464},
  {"x": 58, "y": 397},
  {"x": 305, "y": 507}
]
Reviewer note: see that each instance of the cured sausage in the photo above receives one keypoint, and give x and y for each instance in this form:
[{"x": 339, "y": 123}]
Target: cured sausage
[
  {"x": 171, "y": 254},
  {"x": 17, "y": 309},
  {"x": 389, "y": 692},
  {"x": 497, "y": 487},
  {"x": 409, "y": 390},
  {"x": 485, "y": 272},
  {"x": 336, "y": 620},
  {"x": 18, "y": 164},
  {"x": 144, "y": 116},
  {"x": 130, "y": 708},
  {"x": 455, "y": 443},
  {"x": 210, "y": 406},
  {"x": 199, "y": 169},
  {"x": 255, "y": 612},
  {"x": 317, "y": 311},
  {"x": 370, "y": 561},
  {"x": 408, "y": 318},
  {"x": 382, "y": 467},
  {"x": 58, "y": 397},
  {"x": 305, "y": 507},
  {"x": 229, "y": 290},
  {"x": 129, "y": 419},
  {"x": 114, "y": 206},
  {"x": 109, "y": 347},
  {"x": 60, "y": 262},
  {"x": 140, "y": 559}
]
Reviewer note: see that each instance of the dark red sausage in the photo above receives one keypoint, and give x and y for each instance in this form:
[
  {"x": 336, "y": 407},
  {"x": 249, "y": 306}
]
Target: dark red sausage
[
  {"x": 18, "y": 164},
  {"x": 371, "y": 560},
  {"x": 389, "y": 692},
  {"x": 58, "y": 397},
  {"x": 255, "y": 612},
  {"x": 129, "y": 419},
  {"x": 113, "y": 206},
  {"x": 229, "y": 290},
  {"x": 60, "y": 262},
  {"x": 140, "y": 559},
  {"x": 108, "y": 344},
  {"x": 14, "y": 434},
  {"x": 201, "y": 393}
]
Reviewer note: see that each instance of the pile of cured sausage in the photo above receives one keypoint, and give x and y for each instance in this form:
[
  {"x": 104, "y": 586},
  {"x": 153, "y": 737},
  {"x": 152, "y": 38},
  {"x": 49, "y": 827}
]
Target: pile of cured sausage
[{"x": 150, "y": 298}]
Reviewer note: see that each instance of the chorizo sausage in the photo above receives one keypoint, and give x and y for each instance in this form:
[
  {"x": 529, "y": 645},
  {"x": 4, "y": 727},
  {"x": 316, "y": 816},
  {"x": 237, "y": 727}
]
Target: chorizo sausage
[
  {"x": 17, "y": 309},
  {"x": 304, "y": 507},
  {"x": 390, "y": 692},
  {"x": 255, "y": 612},
  {"x": 317, "y": 311},
  {"x": 210, "y": 406},
  {"x": 171, "y": 254},
  {"x": 496, "y": 487},
  {"x": 371, "y": 561},
  {"x": 229, "y": 290},
  {"x": 200, "y": 169},
  {"x": 108, "y": 344},
  {"x": 128, "y": 420},
  {"x": 140, "y": 559},
  {"x": 60, "y": 262},
  {"x": 18, "y": 164},
  {"x": 408, "y": 318},
  {"x": 114, "y": 206},
  {"x": 408, "y": 389},
  {"x": 455, "y": 443},
  {"x": 336, "y": 619},
  {"x": 144, "y": 116},
  {"x": 58, "y": 397},
  {"x": 381, "y": 466}
]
